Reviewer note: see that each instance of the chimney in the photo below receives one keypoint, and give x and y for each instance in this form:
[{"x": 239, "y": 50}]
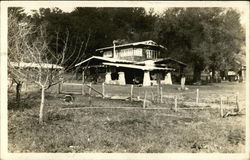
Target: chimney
[{"x": 114, "y": 52}]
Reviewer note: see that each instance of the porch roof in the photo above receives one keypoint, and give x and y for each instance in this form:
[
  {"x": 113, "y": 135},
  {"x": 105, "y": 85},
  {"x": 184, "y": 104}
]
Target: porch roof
[
  {"x": 160, "y": 60},
  {"x": 104, "y": 59},
  {"x": 134, "y": 66}
]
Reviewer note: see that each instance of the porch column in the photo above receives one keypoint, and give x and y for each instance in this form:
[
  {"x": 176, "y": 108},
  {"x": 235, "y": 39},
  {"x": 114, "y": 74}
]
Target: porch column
[
  {"x": 108, "y": 78},
  {"x": 121, "y": 78},
  {"x": 168, "y": 79},
  {"x": 183, "y": 79},
  {"x": 243, "y": 74},
  {"x": 146, "y": 79}
]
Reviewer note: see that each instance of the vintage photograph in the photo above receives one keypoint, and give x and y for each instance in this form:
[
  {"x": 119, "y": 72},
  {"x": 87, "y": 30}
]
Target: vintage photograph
[{"x": 127, "y": 79}]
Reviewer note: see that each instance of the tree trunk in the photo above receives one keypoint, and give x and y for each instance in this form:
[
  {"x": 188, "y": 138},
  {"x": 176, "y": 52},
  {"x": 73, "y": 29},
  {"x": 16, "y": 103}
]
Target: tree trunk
[
  {"x": 41, "y": 105},
  {"x": 197, "y": 74},
  {"x": 18, "y": 93}
]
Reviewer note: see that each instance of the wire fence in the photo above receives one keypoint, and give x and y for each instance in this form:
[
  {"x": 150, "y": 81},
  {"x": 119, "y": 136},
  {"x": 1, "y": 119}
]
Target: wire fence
[
  {"x": 155, "y": 97},
  {"x": 158, "y": 95}
]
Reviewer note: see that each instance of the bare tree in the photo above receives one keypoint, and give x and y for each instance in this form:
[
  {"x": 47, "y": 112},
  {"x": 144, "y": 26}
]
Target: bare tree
[
  {"x": 17, "y": 34},
  {"x": 31, "y": 59}
]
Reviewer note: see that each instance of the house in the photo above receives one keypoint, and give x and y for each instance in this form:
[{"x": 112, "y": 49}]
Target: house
[
  {"x": 132, "y": 63},
  {"x": 23, "y": 70},
  {"x": 35, "y": 65},
  {"x": 232, "y": 75},
  {"x": 241, "y": 61},
  {"x": 238, "y": 73}
]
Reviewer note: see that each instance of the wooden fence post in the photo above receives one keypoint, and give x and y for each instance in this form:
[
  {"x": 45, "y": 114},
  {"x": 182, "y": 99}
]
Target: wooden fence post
[
  {"x": 83, "y": 78},
  {"x": 103, "y": 90},
  {"x": 90, "y": 88},
  {"x": 58, "y": 90},
  {"x": 237, "y": 101},
  {"x": 197, "y": 96},
  {"x": 60, "y": 87},
  {"x": 158, "y": 93},
  {"x": 221, "y": 107},
  {"x": 161, "y": 94},
  {"x": 83, "y": 93},
  {"x": 175, "y": 104},
  {"x": 139, "y": 93},
  {"x": 90, "y": 101},
  {"x": 131, "y": 92},
  {"x": 145, "y": 98}
]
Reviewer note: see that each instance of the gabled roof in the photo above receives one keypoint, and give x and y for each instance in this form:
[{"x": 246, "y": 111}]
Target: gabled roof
[
  {"x": 35, "y": 65},
  {"x": 170, "y": 59},
  {"x": 146, "y": 43},
  {"x": 104, "y": 59}
]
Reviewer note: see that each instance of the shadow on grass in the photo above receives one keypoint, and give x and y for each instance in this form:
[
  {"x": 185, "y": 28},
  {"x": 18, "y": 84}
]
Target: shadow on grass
[
  {"x": 52, "y": 117},
  {"x": 29, "y": 100},
  {"x": 24, "y": 104}
]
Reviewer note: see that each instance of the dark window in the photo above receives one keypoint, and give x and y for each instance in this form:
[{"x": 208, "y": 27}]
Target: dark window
[{"x": 114, "y": 76}]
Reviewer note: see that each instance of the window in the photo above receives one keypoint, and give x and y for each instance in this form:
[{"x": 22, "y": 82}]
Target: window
[
  {"x": 138, "y": 52},
  {"x": 153, "y": 54},
  {"x": 130, "y": 52},
  {"x": 126, "y": 52},
  {"x": 107, "y": 54},
  {"x": 149, "y": 54},
  {"x": 122, "y": 53}
]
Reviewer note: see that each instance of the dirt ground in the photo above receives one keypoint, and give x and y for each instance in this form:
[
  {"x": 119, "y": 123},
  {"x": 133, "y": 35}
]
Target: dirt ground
[{"x": 129, "y": 128}]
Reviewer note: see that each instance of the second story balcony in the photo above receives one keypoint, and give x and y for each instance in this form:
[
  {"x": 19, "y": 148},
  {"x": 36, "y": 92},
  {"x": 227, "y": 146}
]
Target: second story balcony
[{"x": 138, "y": 51}]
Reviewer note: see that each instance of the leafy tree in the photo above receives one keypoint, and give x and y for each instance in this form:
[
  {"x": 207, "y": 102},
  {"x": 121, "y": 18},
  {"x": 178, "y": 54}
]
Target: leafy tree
[
  {"x": 202, "y": 37},
  {"x": 97, "y": 26}
]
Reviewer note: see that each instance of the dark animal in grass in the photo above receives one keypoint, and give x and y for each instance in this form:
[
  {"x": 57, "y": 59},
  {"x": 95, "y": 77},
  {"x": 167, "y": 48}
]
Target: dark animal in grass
[
  {"x": 139, "y": 85},
  {"x": 68, "y": 98}
]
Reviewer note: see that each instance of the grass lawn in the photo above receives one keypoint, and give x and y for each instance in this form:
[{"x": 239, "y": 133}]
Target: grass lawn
[{"x": 124, "y": 130}]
